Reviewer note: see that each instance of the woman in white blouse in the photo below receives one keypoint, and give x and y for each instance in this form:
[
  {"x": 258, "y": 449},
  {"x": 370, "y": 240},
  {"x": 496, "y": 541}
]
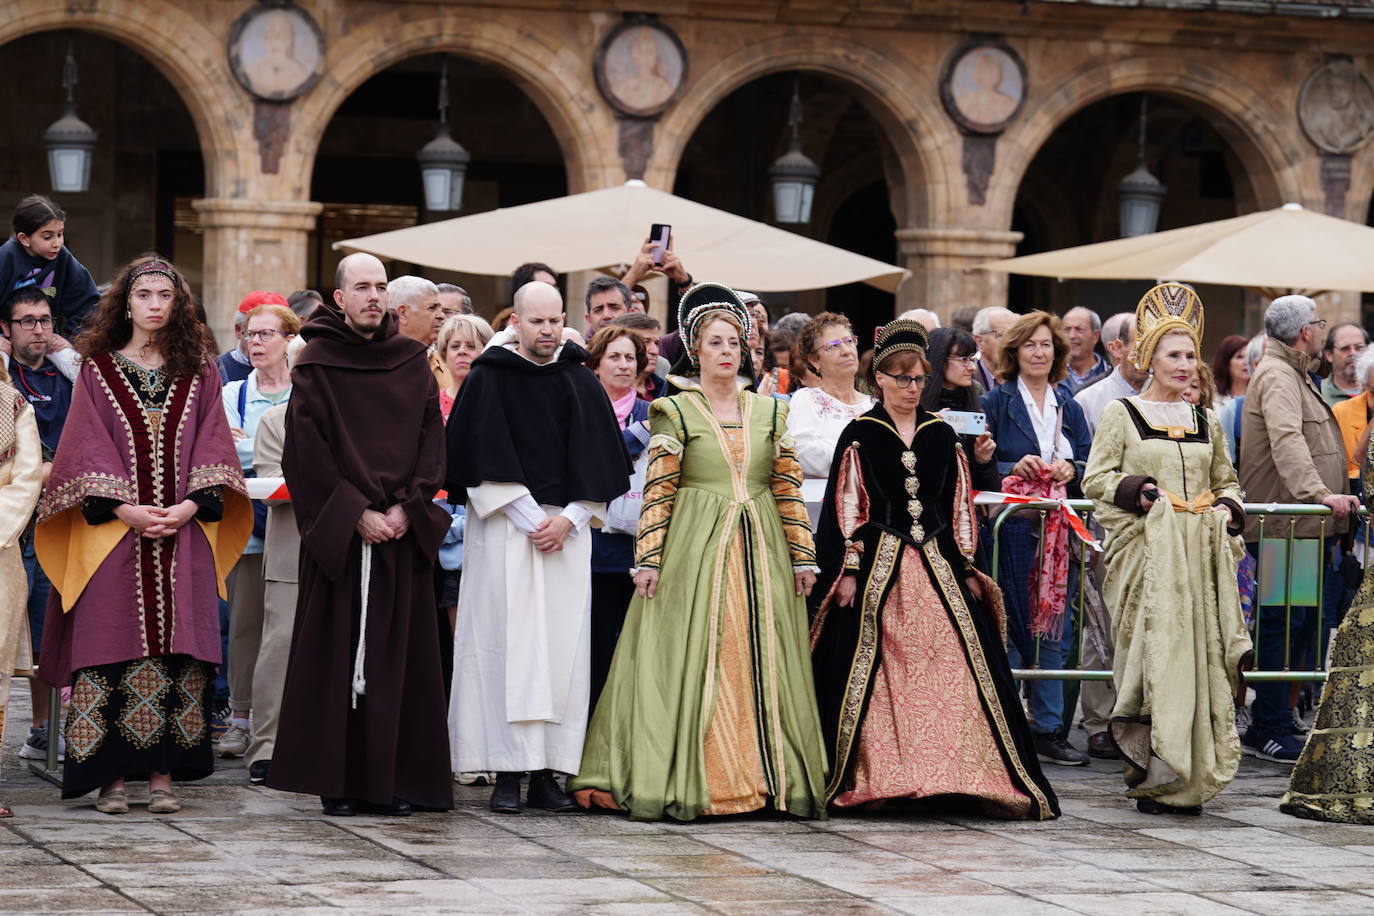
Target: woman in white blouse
[{"x": 818, "y": 415}]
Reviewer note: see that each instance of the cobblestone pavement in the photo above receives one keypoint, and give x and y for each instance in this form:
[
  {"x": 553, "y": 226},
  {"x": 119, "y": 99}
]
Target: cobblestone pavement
[{"x": 235, "y": 848}]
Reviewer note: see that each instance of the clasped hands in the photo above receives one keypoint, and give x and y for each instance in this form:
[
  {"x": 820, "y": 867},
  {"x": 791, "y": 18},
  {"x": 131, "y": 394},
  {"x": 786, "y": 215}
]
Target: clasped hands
[
  {"x": 375, "y": 527},
  {"x": 1032, "y": 466},
  {"x": 156, "y": 521}
]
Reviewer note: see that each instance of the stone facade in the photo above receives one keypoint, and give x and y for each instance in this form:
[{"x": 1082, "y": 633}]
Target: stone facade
[{"x": 1241, "y": 71}]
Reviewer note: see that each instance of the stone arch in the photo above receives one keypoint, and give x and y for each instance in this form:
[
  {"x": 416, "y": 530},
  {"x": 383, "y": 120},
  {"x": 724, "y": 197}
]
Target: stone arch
[
  {"x": 1240, "y": 114},
  {"x": 538, "y": 63},
  {"x": 915, "y": 137},
  {"x": 199, "y": 78}
]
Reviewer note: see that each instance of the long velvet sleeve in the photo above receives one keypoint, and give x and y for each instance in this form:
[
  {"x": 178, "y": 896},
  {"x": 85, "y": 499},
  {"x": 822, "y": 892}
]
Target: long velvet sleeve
[
  {"x": 660, "y": 487},
  {"x": 850, "y": 505},
  {"x": 785, "y": 483}
]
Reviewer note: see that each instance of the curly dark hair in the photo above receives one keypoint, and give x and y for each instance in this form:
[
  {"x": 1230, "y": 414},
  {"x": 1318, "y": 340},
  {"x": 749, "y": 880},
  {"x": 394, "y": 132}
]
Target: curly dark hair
[
  {"x": 184, "y": 342},
  {"x": 811, "y": 332}
]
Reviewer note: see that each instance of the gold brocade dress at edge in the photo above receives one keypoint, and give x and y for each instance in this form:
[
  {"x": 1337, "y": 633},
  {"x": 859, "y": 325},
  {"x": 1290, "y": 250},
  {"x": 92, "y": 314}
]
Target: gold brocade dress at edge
[
  {"x": 709, "y": 707},
  {"x": 1334, "y": 777},
  {"x": 1171, "y": 587}
]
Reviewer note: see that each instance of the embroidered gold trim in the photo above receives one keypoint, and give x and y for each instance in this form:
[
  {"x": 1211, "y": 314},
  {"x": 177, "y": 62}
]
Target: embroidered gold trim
[
  {"x": 215, "y": 475},
  {"x": 982, "y": 675},
  {"x": 865, "y": 655},
  {"x": 70, "y": 495}
]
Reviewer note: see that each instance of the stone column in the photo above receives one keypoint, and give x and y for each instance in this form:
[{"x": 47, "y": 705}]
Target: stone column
[
  {"x": 940, "y": 261},
  {"x": 251, "y": 244}
]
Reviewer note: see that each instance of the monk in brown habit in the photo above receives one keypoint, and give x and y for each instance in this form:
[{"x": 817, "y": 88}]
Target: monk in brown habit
[{"x": 363, "y": 718}]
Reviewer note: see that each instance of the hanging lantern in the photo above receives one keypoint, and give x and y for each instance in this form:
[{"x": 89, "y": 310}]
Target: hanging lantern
[
  {"x": 1140, "y": 195},
  {"x": 794, "y": 175},
  {"x": 70, "y": 141},
  {"x": 443, "y": 161}
]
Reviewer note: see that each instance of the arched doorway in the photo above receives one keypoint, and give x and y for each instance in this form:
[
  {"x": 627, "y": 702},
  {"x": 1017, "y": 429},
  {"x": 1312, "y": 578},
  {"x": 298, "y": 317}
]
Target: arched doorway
[
  {"x": 1068, "y": 196},
  {"x": 725, "y": 164},
  {"x": 368, "y": 180},
  {"x": 147, "y": 165}
]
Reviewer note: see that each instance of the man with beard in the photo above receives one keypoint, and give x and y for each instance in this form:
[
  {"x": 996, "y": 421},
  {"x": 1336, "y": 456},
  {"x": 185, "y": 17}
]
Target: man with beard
[
  {"x": 363, "y": 709},
  {"x": 534, "y": 447}
]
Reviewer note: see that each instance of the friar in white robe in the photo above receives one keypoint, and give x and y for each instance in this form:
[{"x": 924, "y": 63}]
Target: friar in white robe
[{"x": 535, "y": 450}]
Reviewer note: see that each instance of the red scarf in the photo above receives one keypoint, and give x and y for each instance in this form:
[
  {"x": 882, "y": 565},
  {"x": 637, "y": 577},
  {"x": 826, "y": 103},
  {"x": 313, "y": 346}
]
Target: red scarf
[{"x": 1049, "y": 578}]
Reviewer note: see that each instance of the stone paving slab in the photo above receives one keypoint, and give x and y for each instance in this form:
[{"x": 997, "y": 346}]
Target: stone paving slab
[{"x": 241, "y": 849}]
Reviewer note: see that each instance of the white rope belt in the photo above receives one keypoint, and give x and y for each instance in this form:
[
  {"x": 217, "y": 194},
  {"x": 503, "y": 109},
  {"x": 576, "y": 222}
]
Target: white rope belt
[{"x": 360, "y": 654}]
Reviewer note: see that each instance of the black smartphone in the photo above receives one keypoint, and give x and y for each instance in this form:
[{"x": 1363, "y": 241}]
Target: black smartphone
[{"x": 660, "y": 234}]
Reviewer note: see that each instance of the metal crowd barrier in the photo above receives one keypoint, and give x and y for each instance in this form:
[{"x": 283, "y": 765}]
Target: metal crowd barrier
[{"x": 1269, "y": 514}]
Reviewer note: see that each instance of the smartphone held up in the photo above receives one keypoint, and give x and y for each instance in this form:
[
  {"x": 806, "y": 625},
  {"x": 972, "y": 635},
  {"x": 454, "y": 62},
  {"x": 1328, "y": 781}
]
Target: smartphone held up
[{"x": 660, "y": 239}]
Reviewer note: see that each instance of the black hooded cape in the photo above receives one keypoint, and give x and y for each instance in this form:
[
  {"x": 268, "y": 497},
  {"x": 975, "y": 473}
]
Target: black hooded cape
[{"x": 549, "y": 427}]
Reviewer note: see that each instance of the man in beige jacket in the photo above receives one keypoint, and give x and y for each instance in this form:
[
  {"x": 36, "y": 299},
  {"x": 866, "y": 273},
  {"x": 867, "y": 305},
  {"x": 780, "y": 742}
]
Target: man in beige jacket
[{"x": 1291, "y": 452}]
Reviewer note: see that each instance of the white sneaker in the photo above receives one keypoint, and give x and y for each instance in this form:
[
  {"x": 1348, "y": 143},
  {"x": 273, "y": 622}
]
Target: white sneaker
[
  {"x": 36, "y": 746},
  {"x": 234, "y": 741},
  {"x": 1242, "y": 719}
]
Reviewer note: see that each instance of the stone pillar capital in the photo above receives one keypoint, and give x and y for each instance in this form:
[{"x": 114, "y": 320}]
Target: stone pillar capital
[
  {"x": 243, "y": 213},
  {"x": 251, "y": 244},
  {"x": 973, "y": 244},
  {"x": 941, "y": 260}
]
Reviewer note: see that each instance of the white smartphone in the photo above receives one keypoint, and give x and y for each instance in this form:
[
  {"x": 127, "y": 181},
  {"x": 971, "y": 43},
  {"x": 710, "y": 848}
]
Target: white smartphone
[{"x": 966, "y": 422}]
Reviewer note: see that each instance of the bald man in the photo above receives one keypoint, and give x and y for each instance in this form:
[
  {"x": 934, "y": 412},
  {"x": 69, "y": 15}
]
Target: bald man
[
  {"x": 362, "y": 715},
  {"x": 534, "y": 447}
]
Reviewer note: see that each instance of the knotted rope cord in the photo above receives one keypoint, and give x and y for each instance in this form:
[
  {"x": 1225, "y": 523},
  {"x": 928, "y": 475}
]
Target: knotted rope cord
[{"x": 360, "y": 654}]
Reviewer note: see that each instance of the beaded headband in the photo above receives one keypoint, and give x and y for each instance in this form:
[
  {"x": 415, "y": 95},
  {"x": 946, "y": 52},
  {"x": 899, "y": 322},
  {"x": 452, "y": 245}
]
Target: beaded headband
[
  {"x": 1165, "y": 309},
  {"x": 897, "y": 336},
  {"x": 154, "y": 267}
]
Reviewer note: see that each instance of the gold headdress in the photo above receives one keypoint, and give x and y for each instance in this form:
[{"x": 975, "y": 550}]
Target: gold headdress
[{"x": 1165, "y": 309}]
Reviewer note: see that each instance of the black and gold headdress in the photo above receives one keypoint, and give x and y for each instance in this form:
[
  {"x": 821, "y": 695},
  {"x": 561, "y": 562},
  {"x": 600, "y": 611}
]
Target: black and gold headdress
[
  {"x": 899, "y": 335},
  {"x": 1165, "y": 309}
]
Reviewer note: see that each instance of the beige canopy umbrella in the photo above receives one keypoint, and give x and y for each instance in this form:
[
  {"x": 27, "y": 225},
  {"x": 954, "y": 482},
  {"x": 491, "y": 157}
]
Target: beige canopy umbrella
[
  {"x": 1288, "y": 248},
  {"x": 601, "y": 228}
]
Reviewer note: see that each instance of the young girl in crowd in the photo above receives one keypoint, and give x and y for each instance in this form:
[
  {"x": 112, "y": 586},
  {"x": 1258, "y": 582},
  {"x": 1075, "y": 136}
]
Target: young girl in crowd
[{"x": 37, "y": 255}]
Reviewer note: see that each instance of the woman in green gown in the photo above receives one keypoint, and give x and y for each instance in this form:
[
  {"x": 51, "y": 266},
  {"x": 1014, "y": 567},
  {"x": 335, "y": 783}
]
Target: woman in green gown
[
  {"x": 1167, "y": 494},
  {"x": 709, "y": 707},
  {"x": 1333, "y": 779}
]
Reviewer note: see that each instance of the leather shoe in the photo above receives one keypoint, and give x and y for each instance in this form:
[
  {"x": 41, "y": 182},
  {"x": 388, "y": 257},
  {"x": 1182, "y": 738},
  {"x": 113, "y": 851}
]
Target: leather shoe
[
  {"x": 1100, "y": 746},
  {"x": 505, "y": 798},
  {"x": 337, "y": 807},
  {"x": 546, "y": 793},
  {"x": 397, "y": 808},
  {"x": 257, "y": 772}
]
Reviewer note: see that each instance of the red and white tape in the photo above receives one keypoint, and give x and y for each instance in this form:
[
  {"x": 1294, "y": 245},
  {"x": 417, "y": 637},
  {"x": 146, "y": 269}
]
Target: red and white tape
[{"x": 1075, "y": 521}]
